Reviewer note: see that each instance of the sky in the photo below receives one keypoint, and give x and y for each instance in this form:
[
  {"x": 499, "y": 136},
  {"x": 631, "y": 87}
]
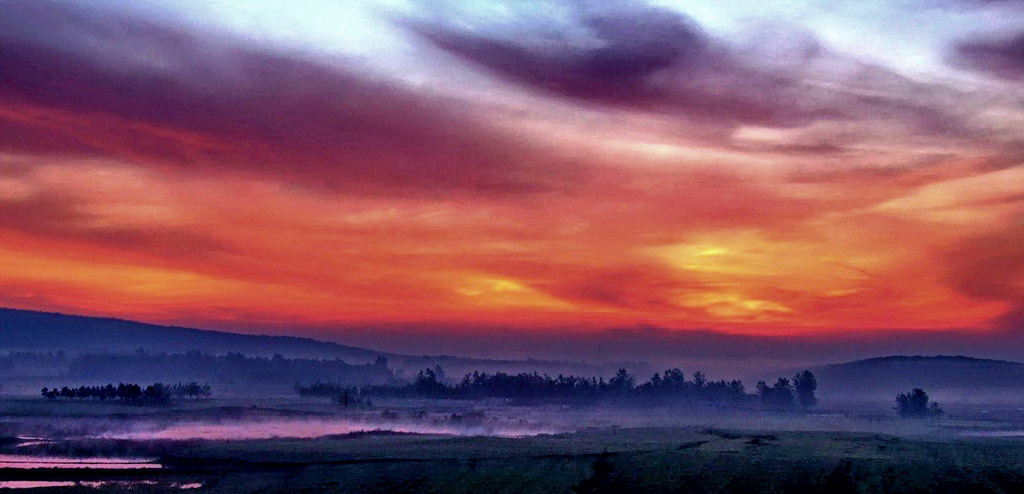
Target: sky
[{"x": 802, "y": 169}]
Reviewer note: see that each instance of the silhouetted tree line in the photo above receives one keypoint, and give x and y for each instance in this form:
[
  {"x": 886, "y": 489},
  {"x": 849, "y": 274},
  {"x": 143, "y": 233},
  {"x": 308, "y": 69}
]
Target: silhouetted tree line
[
  {"x": 154, "y": 394},
  {"x": 672, "y": 385},
  {"x": 523, "y": 386},
  {"x": 786, "y": 394}
]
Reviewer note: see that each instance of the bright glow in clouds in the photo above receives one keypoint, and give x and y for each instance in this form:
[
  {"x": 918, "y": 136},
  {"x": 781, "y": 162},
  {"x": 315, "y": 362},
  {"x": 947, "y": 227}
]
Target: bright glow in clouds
[{"x": 740, "y": 166}]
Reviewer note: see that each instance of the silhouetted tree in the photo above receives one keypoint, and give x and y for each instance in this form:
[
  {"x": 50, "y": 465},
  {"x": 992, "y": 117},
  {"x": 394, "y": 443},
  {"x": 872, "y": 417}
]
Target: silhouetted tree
[
  {"x": 699, "y": 380},
  {"x": 915, "y": 404},
  {"x": 427, "y": 384},
  {"x": 621, "y": 382},
  {"x": 805, "y": 385},
  {"x": 157, "y": 394},
  {"x": 778, "y": 396}
]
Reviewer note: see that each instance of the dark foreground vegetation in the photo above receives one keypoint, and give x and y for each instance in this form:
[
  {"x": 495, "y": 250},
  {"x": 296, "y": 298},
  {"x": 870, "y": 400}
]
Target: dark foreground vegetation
[
  {"x": 672, "y": 385},
  {"x": 663, "y": 460}
]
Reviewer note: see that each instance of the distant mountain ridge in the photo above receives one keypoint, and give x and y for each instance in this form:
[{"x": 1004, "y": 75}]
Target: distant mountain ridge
[
  {"x": 46, "y": 331},
  {"x": 942, "y": 374},
  {"x": 954, "y": 359},
  {"x": 24, "y": 330}
]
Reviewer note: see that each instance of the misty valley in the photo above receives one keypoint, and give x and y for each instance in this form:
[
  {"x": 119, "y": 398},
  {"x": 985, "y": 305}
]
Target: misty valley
[{"x": 163, "y": 418}]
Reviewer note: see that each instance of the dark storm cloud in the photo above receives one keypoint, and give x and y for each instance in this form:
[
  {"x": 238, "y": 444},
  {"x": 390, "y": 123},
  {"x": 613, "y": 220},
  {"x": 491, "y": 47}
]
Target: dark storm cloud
[
  {"x": 83, "y": 82},
  {"x": 658, "y": 60},
  {"x": 1001, "y": 57},
  {"x": 633, "y": 47},
  {"x": 642, "y": 54}
]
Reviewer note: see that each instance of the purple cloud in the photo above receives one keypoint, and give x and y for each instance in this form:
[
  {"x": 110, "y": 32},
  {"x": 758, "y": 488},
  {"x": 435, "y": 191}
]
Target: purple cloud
[
  {"x": 656, "y": 60},
  {"x": 93, "y": 83},
  {"x": 1003, "y": 57}
]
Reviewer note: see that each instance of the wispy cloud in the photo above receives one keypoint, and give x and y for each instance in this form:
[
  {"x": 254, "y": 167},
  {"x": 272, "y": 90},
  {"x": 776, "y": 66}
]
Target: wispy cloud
[
  {"x": 519, "y": 165},
  {"x": 133, "y": 89}
]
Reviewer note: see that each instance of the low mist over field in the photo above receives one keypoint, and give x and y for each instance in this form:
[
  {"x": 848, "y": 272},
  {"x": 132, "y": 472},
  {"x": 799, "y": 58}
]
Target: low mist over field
[
  {"x": 40, "y": 349},
  {"x": 171, "y": 416}
]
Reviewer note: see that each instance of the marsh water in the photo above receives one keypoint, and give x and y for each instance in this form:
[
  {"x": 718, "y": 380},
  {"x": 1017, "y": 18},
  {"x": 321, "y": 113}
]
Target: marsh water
[
  {"x": 21, "y": 462},
  {"x": 314, "y": 428},
  {"x": 220, "y": 446},
  {"x": 41, "y": 467},
  {"x": 98, "y": 484},
  {"x": 125, "y": 453}
]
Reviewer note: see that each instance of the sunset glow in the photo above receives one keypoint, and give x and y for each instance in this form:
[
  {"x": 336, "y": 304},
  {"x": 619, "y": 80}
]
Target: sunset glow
[{"x": 528, "y": 165}]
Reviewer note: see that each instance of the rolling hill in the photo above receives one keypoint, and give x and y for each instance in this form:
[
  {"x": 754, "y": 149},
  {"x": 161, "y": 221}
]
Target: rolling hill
[
  {"x": 30, "y": 331},
  {"x": 948, "y": 376},
  {"x": 23, "y": 330}
]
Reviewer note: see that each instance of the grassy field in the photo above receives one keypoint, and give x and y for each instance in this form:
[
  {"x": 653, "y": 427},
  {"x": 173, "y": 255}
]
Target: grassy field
[
  {"x": 626, "y": 460},
  {"x": 602, "y": 450}
]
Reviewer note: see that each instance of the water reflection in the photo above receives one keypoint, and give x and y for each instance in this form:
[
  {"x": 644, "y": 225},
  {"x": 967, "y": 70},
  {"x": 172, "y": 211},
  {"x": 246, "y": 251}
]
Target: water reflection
[
  {"x": 307, "y": 429},
  {"x": 98, "y": 484},
  {"x": 24, "y": 462},
  {"x": 32, "y": 484},
  {"x": 131, "y": 484},
  {"x": 26, "y": 441}
]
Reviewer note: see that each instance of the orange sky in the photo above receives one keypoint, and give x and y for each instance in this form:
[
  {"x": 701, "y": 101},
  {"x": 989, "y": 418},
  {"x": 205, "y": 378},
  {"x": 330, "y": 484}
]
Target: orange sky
[{"x": 196, "y": 175}]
